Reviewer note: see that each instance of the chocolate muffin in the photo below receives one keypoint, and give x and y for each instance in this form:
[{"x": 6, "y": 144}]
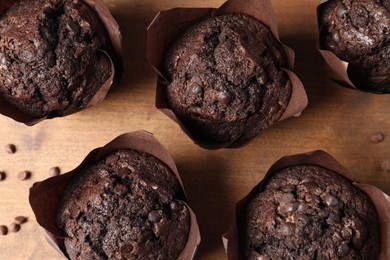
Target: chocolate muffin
[
  {"x": 309, "y": 212},
  {"x": 358, "y": 32},
  {"x": 225, "y": 78},
  {"x": 127, "y": 206},
  {"x": 50, "y": 56}
]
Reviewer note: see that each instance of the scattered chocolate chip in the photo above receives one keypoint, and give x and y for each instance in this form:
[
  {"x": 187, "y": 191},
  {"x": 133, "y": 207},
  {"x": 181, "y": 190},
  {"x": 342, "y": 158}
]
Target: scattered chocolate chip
[
  {"x": 2, "y": 176},
  {"x": 224, "y": 97},
  {"x": 120, "y": 189},
  {"x": 377, "y": 137},
  {"x": 24, "y": 175},
  {"x": 154, "y": 216},
  {"x": 302, "y": 220},
  {"x": 3, "y": 230},
  {"x": 343, "y": 249},
  {"x": 127, "y": 249},
  {"x": 20, "y": 220},
  {"x": 341, "y": 10},
  {"x": 123, "y": 172},
  {"x": 336, "y": 36},
  {"x": 10, "y": 148},
  {"x": 196, "y": 89},
  {"x": 286, "y": 229},
  {"x": 54, "y": 171},
  {"x": 14, "y": 227},
  {"x": 346, "y": 233},
  {"x": 331, "y": 201},
  {"x": 112, "y": 158},
  {"x": 285, "y": 208},
  {"x": 175, "y": 206},
  {"x": 385, "y": 165}
]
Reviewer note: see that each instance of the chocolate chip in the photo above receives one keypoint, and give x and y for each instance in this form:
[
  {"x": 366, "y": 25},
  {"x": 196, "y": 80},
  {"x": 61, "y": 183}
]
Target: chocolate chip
[
  {"x": 385, "y": 165},
  {"x": 224, "y": 97},
  {"x": 308, "y": 198},
  {"x": 8, "y": 81},
  {"x": 75, "y": 213},
  {"x": 288, "y": 188},
  {"x": 2, "y": 176},
  {"x": 286, "y": 229},
  {"x": 377, "y": 137},
  {"x": 10, "y": 148},
  {"x": 287, "y": 197},
  {"x": 120, "y": 189},
  {"x": 154, "y": 216},
  {"x": 176, "y": 206},
  {"x": 24, "y": 175},
  {"x": 346, "y": 233},
  {"x": 341, "y": 10},
  {"x": 343, "y": 249},
  {"x": 127, "y": 249},
  {"x": 3, "y": 60},
  {"x": 3, "y": 230},
  {"x": 123, "y": 172},
  {"x": 14, "y": 227},
  {"x": 302, "y": 220},
  {"x": 331, "y": 201},
  {"x": 332, "y": 219},
  {"x": 54, "y": 171},
  {"x": 195, "y": 110},
  {"x": 196, "y": 89},
  {"x": 73, "y": 26},
  {"x": 112, "y": 158},
  {"x": 335, "y": 36},
  {"x": 20, "y": 220},
  {"x": 109, "y": 183},
  {"x": 285, "y": 208},
  {"x": 305, "y": 180}
]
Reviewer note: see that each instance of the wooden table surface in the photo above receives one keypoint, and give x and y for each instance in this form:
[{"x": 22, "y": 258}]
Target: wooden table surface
[{"x": 337, "y": 120}]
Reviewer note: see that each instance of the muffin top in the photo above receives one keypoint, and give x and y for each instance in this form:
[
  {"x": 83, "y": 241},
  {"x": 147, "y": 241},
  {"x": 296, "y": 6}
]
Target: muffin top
[
  {"x": 49, "y": 56},
  {"x": 127, "y": 206},
  {"x": 309, "y": 212},
  {"x": 225, "y": 78},
  {"x": 359, "y": 32}
]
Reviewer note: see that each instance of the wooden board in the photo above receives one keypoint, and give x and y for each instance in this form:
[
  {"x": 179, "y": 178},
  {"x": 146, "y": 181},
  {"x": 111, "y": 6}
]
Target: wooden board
[{"x": 337, "y": 120}]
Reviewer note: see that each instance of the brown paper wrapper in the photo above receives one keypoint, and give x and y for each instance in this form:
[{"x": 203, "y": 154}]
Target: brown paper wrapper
[
  {"x": 45, "y": 196},
  {"x": 340, "y": 67},
  {"x": 169, "y": 25},
  {"x": 320, "y": 158},
  {"x": 114, "y": 54}
]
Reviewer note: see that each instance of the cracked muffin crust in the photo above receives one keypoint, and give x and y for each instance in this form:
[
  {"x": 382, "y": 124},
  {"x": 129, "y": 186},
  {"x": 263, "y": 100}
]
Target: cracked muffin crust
[
  {"x": 309, "y": 212},
  {"x": 50, "y": 58},
  {"x": 359, "y": 32},
  {"x": 127, "y": 206},
  {"x": 226, "y": 81}
]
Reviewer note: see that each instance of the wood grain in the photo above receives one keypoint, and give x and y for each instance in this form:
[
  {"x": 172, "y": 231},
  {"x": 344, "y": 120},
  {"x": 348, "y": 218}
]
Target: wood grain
[{"x": 337, "y": 120}]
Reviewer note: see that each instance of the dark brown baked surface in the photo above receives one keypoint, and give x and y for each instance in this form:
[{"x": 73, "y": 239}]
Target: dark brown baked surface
[
  {"x": 127, "y": 206},
  {"x": 225, "y": 78},
  {"x": 49, "y": 56},
  {"x": 359, "y": 32},
  {"x": 309, "y": 212}
]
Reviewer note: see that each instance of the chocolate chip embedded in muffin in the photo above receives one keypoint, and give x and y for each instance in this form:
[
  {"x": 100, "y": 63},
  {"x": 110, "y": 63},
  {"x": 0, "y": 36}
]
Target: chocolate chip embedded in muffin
[
  {"x": 127, "y": 206},
  {"x": 358, "y": 32},
  {"x": 226, "y": 81},
  {"x": 309, "y": 212},
  {"x": 50, "y": 58}
]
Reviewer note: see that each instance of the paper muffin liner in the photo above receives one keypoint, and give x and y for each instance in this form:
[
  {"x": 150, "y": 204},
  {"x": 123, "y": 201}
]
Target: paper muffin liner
[
  {"x": 114, "y": 54},
  {"x": 45, "y": 196},
  {"x": 168, "y": 25},
  {"x": 340, "y": 67},
  {"x": 380, "y": 199}
]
